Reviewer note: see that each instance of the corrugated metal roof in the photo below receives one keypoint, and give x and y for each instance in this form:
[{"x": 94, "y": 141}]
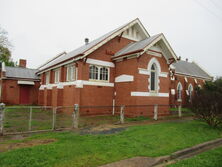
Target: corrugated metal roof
[
  {"x": 19, "y": 72},
  {"x": 136, "y": 45},
  {"x": 81, "y": 49},
  {"x": 189, "y": 68}
]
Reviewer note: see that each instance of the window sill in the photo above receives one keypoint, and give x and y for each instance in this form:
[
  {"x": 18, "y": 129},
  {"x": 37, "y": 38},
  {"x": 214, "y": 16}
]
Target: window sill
[{"x": 94, "y": 80}]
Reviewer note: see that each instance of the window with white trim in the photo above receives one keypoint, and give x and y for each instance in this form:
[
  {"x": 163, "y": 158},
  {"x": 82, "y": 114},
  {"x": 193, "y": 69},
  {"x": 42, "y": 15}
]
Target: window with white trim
[
  {"x": 190, "y": 90},
  {"x": 98, "y": 73},
  {"x": 179, "y": 91},
  {"x": 70, "y": 73},
  {"x": 153, "y": 79},
  {"x": 57, "y": 75},
  {"x": 47, "y": 77}
]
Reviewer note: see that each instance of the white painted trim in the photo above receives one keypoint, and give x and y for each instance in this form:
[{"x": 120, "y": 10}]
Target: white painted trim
[
  {"x": 161, "y": 37},
  {"x": 149, "y": 94},
  {"x": 124, "y": 78},
  {"x": 195, "y": 80},
  {"x": 163, "y": 74},
  {"x": 154, "y": 60},
  {"x": 185, "y": 78},
  {"x": 173, "y": 92},
  {"x": 154, "y": 53},
  {"x": 26, "y": 82},
  {"x": 57, "y": 66},
  {"x": 147, "y": 72},
  {"x": 77, "y": 83},
  {"x": 192, "y": 76},
  {"x": 100, "y": 62},
  {"x": 144, "y": 71},
  {"x": 114, "y": 35},
  {"x": 3, "y": 67}
]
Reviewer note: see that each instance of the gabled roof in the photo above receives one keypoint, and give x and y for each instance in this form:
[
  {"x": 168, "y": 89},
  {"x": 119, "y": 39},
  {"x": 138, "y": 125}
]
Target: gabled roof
[
  {"x": 191, "y": 69},
  {"x": 91, "y": 46},
  {"x": 136, "y": 46},
  {"x": 19, "y": 72},
  {"x": 143, "y": 45}
]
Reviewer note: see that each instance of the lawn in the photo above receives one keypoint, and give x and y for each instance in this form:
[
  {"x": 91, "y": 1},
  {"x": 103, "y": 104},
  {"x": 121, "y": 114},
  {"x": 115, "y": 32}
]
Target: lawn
[
  {"x": 210, "y": 158},
  {"x": 73, "y": 149}
]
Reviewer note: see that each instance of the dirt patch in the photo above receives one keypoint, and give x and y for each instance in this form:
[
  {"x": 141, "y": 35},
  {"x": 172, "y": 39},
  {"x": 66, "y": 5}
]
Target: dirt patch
[
  {"x": 103, "y": 129},
  {"x": 11, "y": 146}
]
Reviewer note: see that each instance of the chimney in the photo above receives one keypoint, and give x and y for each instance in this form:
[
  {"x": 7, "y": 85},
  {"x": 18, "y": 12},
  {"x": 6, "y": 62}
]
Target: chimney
[
  {"x": 22, "y": 63},
  {"x": 86, "y": 41},
  {"x": 186, "y": 59}
]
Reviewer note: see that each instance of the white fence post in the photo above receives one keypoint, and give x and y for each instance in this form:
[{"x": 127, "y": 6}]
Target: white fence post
[
  {"x": 54, "y": 118},
  {"x": 2, "y": 110},
  {"x": 30, "y": 119},
  {"x": 179, "y": 111},
  {"x": 122, "y": 114},
  {"x": 155, "y": 116},
  {"x": 76, "y": 116}
]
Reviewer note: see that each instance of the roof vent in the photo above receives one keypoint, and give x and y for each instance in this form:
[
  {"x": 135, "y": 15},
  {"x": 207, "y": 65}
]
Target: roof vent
[{"x": 86, "y": 41}]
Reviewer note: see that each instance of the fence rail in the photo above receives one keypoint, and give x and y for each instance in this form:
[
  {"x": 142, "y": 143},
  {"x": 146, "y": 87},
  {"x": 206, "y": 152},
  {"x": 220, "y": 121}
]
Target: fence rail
[{"x": 23, "y": 119}]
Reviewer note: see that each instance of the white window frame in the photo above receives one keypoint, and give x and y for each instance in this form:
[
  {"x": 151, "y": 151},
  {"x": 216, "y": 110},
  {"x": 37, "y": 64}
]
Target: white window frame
[
  {"x": 72, "y": 75},
  {"x": 179, "y": 96},
  {"x": 47, "y": 77},
  {"x": 57, "y": 75},
  {"x": 190, "y": 90},
  {"x": 155, "y": 79},
  {"x": 99, "y": 79}
]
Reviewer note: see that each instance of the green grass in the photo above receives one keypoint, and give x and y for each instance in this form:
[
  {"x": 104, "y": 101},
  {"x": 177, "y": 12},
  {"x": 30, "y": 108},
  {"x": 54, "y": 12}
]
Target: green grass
[
  {"x": 182, "y": 109},
  {"x": 140, "y": 118},
  {"x": 210, "y": 158},
  {"x": 72, "y": 149}
]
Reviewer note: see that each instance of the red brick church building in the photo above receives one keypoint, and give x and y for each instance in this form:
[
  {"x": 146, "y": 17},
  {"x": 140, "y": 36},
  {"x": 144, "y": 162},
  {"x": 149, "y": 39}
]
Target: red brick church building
[{"x": 126, "y": 66}]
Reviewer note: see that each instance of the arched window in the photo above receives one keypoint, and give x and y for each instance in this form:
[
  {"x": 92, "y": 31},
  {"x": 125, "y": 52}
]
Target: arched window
[
  {"x": 179, "y": 91},
  {"x": 190, "y": 90},
  {"x": 104, "y": 74},
  {"x": 153, "y": 79},
  {"x": 93, "y": 72}
]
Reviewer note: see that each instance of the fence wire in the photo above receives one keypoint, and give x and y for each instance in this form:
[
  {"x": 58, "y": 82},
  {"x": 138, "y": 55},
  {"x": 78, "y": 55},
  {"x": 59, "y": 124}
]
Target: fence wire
[{"x": 37, "y": 118}]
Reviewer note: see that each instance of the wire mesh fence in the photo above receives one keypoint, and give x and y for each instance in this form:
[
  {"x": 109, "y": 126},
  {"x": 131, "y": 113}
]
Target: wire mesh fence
[{"x": 39, "y": 118}]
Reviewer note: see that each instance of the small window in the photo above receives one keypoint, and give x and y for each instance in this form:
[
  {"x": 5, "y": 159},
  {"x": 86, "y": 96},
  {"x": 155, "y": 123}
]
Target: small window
[
  {"x": 153, "y": 79},
  {"x": 104, "y": 74},
  {"x": 93, "y": 72},
  {"x": 71, "y": 73},
  {"x": 190, "y": 90},
  {"x": 47, "y": 78},
  {"x": 179, "y": 91},
  {"x": 57, "y": 75},
  {"x": 98, "y": 73}
]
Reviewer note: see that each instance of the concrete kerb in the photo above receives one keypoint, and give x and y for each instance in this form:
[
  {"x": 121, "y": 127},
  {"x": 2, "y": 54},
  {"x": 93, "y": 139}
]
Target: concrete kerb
[{"x": 160, "y": 161}]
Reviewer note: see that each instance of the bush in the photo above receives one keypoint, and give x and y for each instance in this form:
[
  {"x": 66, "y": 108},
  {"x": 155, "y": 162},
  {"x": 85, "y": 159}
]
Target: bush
[{"x": 207, "y": 103}]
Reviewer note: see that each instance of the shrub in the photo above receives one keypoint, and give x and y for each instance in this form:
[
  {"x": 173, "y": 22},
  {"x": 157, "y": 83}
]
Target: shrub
[{"x": 207, "y": 103}]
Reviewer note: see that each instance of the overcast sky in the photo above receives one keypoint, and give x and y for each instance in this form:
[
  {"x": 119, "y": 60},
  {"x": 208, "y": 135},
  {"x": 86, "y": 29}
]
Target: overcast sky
[{"x": 40, "y": 29}]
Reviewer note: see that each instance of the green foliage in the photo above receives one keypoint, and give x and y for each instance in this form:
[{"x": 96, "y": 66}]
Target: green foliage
[
  {"x": 210, "y": 158},
  {"x": 5, "y": 53},
  {"x": 207, "y": 103},
  {"x": 72, "y": 149}
]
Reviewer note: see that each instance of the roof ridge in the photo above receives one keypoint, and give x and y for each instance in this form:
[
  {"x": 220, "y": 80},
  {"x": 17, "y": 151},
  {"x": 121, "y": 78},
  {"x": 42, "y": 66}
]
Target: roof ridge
[
  {"x": 21, "y": 67},
  {"x": 53, "y": 58},
  {"x": 84, "y": 50}
]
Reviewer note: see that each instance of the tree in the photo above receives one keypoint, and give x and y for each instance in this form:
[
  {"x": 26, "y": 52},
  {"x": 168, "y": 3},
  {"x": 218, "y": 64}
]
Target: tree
[
  {"x": 207, "y": 103},
  {"x": 5, "y": 45}
]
